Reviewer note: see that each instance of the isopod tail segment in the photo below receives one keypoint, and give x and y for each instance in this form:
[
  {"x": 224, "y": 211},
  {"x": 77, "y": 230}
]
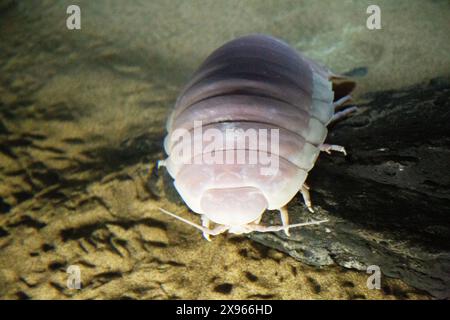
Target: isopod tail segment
[{"x": 251, "y": 227}]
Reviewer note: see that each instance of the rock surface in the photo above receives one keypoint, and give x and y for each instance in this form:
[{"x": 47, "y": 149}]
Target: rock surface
[{"x": 388, "y": 201}]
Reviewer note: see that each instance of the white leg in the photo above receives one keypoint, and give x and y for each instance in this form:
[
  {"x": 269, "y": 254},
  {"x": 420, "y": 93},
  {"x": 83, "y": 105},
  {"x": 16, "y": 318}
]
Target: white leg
[
  {"x": 206, "y": 224},
  {"x": 332, "y": 147},
  {"x": 341, "y": 101},
  {"x": 205, "y": 228},
  {"x": 285, "y": 219},
  {"x": 259, "y": 228},
  {"x": 306, "y": 197},
  {"x": 161, "y": 163},
  {"x": 342, "y": 114},
  {"x": 257, "y": 221}
]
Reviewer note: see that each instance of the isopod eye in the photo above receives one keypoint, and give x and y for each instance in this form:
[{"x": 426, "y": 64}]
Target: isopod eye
[{"x": 233, "y": 206}]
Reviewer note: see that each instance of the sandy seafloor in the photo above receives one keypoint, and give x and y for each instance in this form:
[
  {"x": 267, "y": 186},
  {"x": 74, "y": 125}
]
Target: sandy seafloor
[{"x": 82, "y": 118}]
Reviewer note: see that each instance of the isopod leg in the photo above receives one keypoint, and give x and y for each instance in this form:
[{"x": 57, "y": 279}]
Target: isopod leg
[
  {"x": 332, "y": 147},
  {"x": 341, "y": 101},
  {"x": 285, "y": 219},
  {"x": 306, "y": 197},
  {"x": 161, "y": 163},
  {"x": 257, "y": 221},
  {"x": 206, "y": 223},
  {"x": 342, "y": 114}
]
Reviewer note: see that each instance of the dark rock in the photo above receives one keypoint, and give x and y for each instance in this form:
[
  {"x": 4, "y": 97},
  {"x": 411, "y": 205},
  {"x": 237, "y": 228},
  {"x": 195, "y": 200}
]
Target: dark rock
[
  {"x": 224, "y": 288},
  {"x": 4, "y": 206},
  {"x": 388, "y": 201}
]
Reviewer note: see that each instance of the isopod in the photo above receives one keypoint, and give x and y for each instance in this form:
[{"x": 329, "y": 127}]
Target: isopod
[{"x": 251, "y": 85}]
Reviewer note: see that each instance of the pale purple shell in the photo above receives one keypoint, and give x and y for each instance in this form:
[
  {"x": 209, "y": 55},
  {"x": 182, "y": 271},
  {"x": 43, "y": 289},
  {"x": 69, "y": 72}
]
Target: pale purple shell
[{"x": 254, "y": 81}]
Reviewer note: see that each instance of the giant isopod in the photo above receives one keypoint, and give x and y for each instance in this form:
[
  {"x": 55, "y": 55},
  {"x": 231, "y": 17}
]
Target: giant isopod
[{"x": 246, "y": 130}]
